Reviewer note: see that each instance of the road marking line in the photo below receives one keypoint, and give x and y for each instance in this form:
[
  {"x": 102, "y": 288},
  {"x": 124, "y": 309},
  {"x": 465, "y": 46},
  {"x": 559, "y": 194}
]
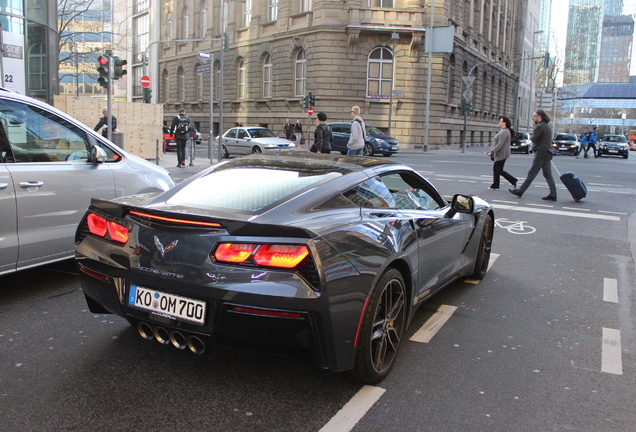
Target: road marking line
[
  {"x": 577, "y": 209},
  {"x": 611, "y": 212},
  {"x": 610, "y": 290},
  {"x": 611, "y": 354},
  {"x": 354, "y": 410},
  {"x": 433, "y": 324},
  {"x": 557, "y": 212}
]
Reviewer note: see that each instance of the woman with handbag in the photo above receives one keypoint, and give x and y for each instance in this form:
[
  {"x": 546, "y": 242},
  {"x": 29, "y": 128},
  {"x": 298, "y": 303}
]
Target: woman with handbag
[
  {"x": 499, "y": 152},
  {"x": 298, "y": 130}
]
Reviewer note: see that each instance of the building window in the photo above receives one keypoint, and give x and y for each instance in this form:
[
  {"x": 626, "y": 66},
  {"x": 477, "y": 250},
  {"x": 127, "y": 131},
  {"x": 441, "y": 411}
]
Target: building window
[
  {"x": 272, "y": 11},
  {"x": 166, "y": 87},
  {"x": 267, "y": 77},
  {"x": 199, "y": 84},
  {"x": 140, "y": 30},
  {"x": 169, "y": 27},
  {"x": 381, "y": 3},
  {"x": 141, "y": 6},
  {"x": 137, "y": 73},
  {"x": 203, "y": 20},
  {"x": 185, "y": 23},
  {"x": 451, "y": 78},
  {"x": 217, "y": 79},
  {"x": 301, "y": 73},
  {"x": 241, "y": 79},
  {"x": 306, "y": 5},
  {"x": 181, "y": 83},
  {"x": 247, "y": 13},
  {"x": 38, "y": 76},
  {"x": 380, "y": 72}
]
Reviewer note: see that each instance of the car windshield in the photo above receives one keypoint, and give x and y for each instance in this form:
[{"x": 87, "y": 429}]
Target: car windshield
[
  {"x": 522, "y": 136},
  {"x": 372, "y": 130},
  {"x": 565, "y": 137},
  {"x": 615, "y": 138},
  {"x": 261, "y": 133},
  {"x": 246, "y": 190}
]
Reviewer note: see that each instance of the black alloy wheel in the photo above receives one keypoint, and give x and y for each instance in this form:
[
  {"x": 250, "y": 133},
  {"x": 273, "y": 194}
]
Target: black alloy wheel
[
  {"x": 368, "y": 149},
  {"x": 483, "y": 252},
  {"x": 382, "y": 329}
]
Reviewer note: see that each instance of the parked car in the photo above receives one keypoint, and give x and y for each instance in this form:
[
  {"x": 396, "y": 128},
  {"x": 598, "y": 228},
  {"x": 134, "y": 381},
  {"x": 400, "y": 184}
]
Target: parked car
[
  {"x": 521, "y": 143},
  {"x": 51, "y": 165},
  {"x": 613, "y": 145},
  {"x": 376, "y": 142},
  {"x": 566, "y": 143},
  {"x": 295, "y": 249},
  {"x": 169, "y": 143},
  {"x": 246, "y": 140},
  {"x": 632, "y": 145}
]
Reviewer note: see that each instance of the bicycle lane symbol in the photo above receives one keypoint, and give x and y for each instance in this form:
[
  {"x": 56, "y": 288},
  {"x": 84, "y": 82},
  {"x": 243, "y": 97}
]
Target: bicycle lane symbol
[{"x": 515, "y": 227}]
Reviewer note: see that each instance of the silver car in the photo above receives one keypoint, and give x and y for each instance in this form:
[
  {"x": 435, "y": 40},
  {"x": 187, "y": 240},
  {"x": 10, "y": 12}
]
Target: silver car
[
  {"x": 51, "y": 166},
  {"x": 247, "y": 140}
]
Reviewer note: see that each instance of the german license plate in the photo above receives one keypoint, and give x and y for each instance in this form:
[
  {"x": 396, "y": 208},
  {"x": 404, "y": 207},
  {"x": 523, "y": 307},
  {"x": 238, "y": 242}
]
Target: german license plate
[
  {"x": 613, "y": 151},
  {"x": 177, "y": 307}
]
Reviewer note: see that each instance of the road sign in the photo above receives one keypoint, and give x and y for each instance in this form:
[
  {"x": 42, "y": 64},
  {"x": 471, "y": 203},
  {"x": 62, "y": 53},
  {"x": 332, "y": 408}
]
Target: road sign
[
  {"x": 310, "y": 111},
  {"x": 468, "y": 94},
  {"x": 202, "y": 69},
  {"x": 469, "y": 80},
  {"x": 145, "y": 81}
]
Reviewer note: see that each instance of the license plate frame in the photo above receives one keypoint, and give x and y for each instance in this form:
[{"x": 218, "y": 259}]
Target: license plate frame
[{"x": 174, "y": 306}]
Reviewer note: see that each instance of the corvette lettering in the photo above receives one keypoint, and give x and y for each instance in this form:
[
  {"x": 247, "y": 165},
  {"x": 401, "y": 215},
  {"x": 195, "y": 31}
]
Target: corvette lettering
[{"x": 161, "y": 272}]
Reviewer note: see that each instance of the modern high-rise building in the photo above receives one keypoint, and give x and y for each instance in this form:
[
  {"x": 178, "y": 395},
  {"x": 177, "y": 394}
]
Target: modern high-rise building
[
  {"x": 583, "y": 45},
  {"x": 616, "y": 47}
]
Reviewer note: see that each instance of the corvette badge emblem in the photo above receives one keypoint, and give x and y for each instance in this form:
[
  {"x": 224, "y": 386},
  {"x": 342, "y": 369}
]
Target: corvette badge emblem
[{"x": 165, "y": 250}]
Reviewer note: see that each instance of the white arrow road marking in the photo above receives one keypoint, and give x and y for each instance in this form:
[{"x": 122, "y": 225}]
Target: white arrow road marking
[{"x": 354, "y": 410}]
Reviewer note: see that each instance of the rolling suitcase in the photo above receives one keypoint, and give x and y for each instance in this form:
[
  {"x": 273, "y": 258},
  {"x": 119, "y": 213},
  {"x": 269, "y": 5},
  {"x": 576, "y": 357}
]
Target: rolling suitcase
[{"x": 575, "y": 185}]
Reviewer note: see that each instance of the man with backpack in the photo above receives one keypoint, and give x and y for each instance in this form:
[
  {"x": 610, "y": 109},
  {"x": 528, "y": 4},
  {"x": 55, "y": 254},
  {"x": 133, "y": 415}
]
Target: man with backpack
[
  {"x": 183, "y": 130},
  {"x": 591, "y": 142}
]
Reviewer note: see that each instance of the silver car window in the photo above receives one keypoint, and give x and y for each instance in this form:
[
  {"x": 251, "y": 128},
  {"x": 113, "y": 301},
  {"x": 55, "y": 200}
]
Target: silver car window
[
  {"x": 36, "y": 135},
  {"x": 242, "y": 134},
  {"x": 409, "y": 192},
  {"x": 371, "y": 193}
]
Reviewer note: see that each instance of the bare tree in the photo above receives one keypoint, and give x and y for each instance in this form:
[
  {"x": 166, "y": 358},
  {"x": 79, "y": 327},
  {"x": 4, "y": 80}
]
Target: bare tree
[{"x": 71, "y": 25}]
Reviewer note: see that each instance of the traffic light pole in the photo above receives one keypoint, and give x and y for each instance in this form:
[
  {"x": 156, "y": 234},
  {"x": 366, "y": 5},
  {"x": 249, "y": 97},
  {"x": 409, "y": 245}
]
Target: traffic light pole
[{"x": 109, "y": 100}]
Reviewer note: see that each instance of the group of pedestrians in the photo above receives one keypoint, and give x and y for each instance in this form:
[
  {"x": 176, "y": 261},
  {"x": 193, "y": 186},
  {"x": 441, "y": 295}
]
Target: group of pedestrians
[
  {"x": 541, "y": 148},
  {"x": 323, "y": 136}
]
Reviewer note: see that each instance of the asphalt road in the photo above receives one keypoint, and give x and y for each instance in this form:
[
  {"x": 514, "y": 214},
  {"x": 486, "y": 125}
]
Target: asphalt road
[{"x": 544, "y": 343}]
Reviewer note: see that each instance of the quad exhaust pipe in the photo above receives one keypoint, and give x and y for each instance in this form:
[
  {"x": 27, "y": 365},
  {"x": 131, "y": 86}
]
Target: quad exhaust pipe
[{"x": 176, "y": 338}]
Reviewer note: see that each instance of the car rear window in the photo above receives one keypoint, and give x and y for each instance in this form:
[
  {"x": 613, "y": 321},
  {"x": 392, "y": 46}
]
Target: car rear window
[{"x": 247, "y": 190}]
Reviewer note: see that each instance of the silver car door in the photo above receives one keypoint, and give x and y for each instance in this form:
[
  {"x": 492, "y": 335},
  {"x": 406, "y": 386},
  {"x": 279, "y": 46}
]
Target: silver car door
[
  {"x": 243, "y": 145},
  {"x": 8, "y": 227},
  {"x": 53, "y": 180}
]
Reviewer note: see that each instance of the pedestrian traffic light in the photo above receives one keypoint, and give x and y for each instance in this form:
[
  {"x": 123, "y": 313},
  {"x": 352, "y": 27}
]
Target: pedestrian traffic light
[
  {"x": 467, "y": 108},
  {"x": 147, "y": 94},
  {"x": 312, "y": 99},
  {"x": 305, "y": 101},
  {"x": 104, "y": 71},
  {"x": 118, "y": 67}
]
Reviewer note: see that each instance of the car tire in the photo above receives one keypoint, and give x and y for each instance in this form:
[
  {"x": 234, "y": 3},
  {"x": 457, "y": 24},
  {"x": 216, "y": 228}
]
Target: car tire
[
  {"x": 226, "y": 154},
  {"x": 387, "y": 154},
  {"x": 482, "y": 258},
  {"x": 626, "y": 155},
  {"x": 256, "y": 150},
  {"x": 344, "y": 152},
  {"x": 368, "y": 149},
  {"x": 381, "y": 329}
]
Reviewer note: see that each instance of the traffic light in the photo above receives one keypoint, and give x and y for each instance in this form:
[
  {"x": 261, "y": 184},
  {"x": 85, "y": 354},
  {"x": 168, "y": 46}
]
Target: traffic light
[
  {"x": 226, "y": 42},
  {"x": 312, "y": 99},
  {"x": 118, "y": 67},
  {"x": 467, "y": 108},
  {"x": 305, "y": 101},
  {"x": 546, "y": 60},
  {"x": 147, "y": 94},
  {"x": 104, "y": 71}
]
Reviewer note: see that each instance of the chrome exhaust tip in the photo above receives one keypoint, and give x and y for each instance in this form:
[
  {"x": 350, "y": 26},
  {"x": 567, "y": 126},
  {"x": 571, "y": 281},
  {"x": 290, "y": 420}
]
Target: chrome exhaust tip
[
  {"x": 196, "y": 345},
  {"x": 145, "y": 331},
  {"x": 162, "y": 335},
  {"x": 178, "y": 340}
]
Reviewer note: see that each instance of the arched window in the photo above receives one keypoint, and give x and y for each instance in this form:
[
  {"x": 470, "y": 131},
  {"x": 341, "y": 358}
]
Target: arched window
[
  {"x": 301, "y": 73},
  {"x": 165, "y": 82},
  {"x": 203, "y": 19},
  {"x": 181, "y": 84},
  {"x": 169, "y": 28},
  {"x": 493, "y": 106},
  {"x": 267, "y": 77},
  {"x": 247, "y": 13},
  {"x": 241, "y": 79},
  {"x": 485, "y": 93},
  {"x": 379, "y": 72},
  {"x": 185, "y": 23},
  {"x": 451, "y": 78}
]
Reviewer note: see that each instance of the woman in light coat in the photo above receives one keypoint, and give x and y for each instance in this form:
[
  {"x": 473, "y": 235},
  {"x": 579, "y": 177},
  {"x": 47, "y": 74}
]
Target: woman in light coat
[{"x": 499, "y": 152}]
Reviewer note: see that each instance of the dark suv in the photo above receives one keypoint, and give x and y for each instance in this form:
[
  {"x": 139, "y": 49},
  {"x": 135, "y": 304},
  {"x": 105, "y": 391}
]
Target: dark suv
[
  {"x": 566, "y": 143},
  {"x": 376, "y": 141}
]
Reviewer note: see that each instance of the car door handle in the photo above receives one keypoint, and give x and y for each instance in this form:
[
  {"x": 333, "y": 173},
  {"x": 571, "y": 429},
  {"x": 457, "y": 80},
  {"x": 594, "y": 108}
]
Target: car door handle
[
  {"x": 29, "y": 184},
  {"x": 4, "y": 186}
]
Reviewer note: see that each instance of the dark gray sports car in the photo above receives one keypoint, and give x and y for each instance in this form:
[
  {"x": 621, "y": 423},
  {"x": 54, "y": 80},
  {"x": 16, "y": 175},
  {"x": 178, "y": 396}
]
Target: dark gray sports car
[{"x": 325, "y": 252}]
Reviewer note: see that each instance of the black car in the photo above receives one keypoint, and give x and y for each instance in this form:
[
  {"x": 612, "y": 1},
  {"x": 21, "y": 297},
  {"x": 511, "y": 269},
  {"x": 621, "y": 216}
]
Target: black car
[
  {"x": 324, "y": 252},
  {"x": 613, "y": 145},
  {"x": 521, "y": 143},
  {"x": 566, "y": 143},
  {"x": 376, "y": 141}
]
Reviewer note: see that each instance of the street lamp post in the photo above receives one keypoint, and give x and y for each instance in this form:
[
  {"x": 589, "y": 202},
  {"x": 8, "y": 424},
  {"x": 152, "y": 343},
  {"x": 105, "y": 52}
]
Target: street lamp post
[{"x": 533, "y": 67}]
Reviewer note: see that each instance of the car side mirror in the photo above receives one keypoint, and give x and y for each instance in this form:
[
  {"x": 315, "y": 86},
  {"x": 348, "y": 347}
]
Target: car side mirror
[
  {"x": 98, "y": 155},
  {"x": 461, "y": 204}
]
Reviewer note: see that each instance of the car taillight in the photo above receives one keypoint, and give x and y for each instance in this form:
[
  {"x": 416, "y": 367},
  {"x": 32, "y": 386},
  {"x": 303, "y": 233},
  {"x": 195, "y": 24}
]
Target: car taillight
[
  {"x": 284, "y": 256},
  {"x": 109, "y": 230},
  {"x": 287, "y": 256}
]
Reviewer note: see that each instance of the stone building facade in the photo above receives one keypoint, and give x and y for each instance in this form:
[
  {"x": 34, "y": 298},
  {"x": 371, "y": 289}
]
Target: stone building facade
[{"x": 346, "y": 53}]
